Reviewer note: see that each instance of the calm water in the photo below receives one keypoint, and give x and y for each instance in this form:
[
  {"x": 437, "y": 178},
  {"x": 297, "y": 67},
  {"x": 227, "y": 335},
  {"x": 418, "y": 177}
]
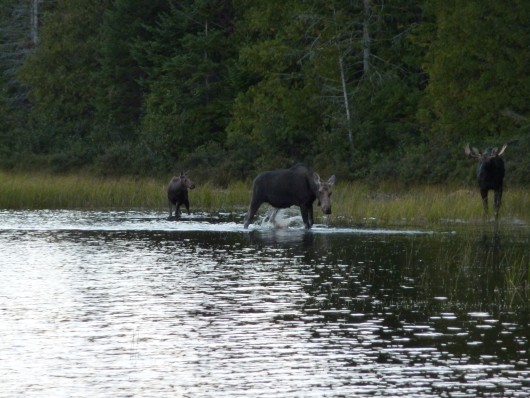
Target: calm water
[{"x": 123, "y": 304}]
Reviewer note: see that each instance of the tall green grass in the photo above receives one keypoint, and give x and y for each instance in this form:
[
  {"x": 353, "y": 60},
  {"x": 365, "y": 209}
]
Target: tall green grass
[
  {"x": 423, "y": 204},
  {"x": 355, "y": 203},
  {"x": 45, "y": 191}
]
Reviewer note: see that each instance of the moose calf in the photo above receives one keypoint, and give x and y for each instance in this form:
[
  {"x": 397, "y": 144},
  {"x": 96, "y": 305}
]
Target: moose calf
[{"x": 177, "y": 193}]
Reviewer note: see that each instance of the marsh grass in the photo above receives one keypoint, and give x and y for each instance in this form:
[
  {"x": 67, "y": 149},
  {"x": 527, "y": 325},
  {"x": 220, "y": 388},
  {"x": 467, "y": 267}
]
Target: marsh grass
[
  {"x": 45, "y": 191},
  {"x": 517, "y": 278},
  {"x": 475, "y": 271},
  {"x": 353, "y": 203},
  {"x": 423, "y": 205}
]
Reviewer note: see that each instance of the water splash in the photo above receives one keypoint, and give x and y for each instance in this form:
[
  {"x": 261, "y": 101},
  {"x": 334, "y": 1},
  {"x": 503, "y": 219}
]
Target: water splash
[{"x": 282, "y": 218}]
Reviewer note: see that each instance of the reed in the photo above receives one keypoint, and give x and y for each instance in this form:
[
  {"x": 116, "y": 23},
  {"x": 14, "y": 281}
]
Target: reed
[
  {"x": 353, "y": 203},
  {"x": 466, "y": 266},
  {"x": 517, "y": 278}
]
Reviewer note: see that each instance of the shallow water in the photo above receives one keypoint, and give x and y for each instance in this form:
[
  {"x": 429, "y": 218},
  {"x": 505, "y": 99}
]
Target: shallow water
[{"x": 100, "y": 304}]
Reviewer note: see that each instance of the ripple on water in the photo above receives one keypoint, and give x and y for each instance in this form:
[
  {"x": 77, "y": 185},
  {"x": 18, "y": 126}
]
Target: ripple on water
[{"x": 129, "y": 303}]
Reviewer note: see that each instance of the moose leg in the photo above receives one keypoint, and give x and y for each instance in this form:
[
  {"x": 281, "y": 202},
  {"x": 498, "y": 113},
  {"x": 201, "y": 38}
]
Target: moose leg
[
  {"x": 484, "y": 194},
  {"x": 186, "y": 202},
  {"x": 170, "y": 208},
  {"x": 305, "y": 216},
  {"x": 497, "y": 202},
  {"x": 310, "y": 214},
  {"x": 252, "y": 210}
]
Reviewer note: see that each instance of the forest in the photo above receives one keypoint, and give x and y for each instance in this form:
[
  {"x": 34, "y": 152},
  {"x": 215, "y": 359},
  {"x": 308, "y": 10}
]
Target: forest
[{"x": 369, "y": 90}]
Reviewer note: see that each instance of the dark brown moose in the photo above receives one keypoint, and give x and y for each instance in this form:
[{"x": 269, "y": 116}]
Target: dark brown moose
[
  {"x": 297, "y": 186},
  {"x": 177, "y": 193},
  {"x": 490, "y": 174}
]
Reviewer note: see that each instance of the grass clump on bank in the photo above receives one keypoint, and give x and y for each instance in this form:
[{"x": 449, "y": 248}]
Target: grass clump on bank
[{"x": 353, "y": 203}]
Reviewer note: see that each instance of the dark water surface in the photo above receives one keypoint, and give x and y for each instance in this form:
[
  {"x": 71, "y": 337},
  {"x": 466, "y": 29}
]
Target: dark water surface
[{"x": 129, "y": 304}]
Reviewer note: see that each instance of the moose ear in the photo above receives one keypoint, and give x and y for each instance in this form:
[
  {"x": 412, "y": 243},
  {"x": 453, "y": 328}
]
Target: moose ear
[
  {"x": 502, "y": 150},
  {"x": 332, "y": 180},
  {"x": 316, "y": 178}
]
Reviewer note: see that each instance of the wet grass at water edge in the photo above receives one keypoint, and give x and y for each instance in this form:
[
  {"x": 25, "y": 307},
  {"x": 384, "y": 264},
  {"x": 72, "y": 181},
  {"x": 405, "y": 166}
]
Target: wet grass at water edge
[{"x": 353, "y": 202}]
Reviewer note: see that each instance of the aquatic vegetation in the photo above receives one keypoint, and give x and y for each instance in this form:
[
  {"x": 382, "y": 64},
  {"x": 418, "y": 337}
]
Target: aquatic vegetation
[
  {"x": 453, "y": 270},
  {"x": 517, "y": 278}
]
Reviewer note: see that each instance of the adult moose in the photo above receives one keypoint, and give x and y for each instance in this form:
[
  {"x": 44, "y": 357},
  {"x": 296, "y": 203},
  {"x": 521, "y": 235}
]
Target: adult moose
[
  {"x": 297, "y": 186},
  {"x": 490, "y": 174},
  {"x": 177, "y": 193}
]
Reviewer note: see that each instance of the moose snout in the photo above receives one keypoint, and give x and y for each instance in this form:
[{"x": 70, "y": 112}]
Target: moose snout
[{"x": 326, "y": 210}]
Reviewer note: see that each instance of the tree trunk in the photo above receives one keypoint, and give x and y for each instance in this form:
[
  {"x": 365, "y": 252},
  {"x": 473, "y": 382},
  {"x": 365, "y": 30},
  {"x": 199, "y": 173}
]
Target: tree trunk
[
  {"x": 34, "y": 21},
  {"x": 346, "y": 102},
  {"x": 366, "y": 36}
]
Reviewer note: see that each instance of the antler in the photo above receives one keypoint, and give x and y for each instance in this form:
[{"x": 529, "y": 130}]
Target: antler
[
  {"x": 495, "y": 151},
  {"x": 472, "y": 153}
]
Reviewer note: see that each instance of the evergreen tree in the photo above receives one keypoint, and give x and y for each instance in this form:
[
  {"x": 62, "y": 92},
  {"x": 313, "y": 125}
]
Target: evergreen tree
[
  {"x": 335, "y": 80},
  {"x": 62, "y": 77},
  {"x": 15, "y": 43},
  {"x": 120, "y": 100},
  {"x": 190, "y": 89},
  {"x": 276, "y": 119},
  {"x": 478, "y": 68}
]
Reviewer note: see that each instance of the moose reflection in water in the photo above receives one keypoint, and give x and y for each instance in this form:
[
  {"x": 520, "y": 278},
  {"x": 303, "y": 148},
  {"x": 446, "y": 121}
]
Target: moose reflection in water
[
  {"x": 296, "y": 186},
  {"x": 490, "y": 174},
  {"x": 177, "y": 193}
]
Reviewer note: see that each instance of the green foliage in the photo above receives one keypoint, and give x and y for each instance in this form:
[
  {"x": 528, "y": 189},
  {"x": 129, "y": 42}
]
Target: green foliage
[
  {"x": 369, "y": 90},
  {"x": 120, "y": 93},
  {"x": 62, "y": 71},
  {"x": 190, "y": 93},
  {"x": 478, "y": 68},
  {"x": 14, "y": 46}
]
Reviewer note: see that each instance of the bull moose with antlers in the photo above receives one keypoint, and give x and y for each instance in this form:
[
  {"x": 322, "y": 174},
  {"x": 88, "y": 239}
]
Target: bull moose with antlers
[{"x": 490, "y": 174}]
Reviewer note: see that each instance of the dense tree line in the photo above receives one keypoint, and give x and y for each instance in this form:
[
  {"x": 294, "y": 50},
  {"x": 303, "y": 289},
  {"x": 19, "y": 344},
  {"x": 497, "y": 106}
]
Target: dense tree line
[{"x": 366, "y": 89}]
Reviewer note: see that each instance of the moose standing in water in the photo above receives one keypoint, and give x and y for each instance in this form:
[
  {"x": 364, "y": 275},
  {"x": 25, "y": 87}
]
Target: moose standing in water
[
  {"x": 490, "y": 174},
  {"x": 297, "y": 186},
  {"x": 177, "y": 193}
]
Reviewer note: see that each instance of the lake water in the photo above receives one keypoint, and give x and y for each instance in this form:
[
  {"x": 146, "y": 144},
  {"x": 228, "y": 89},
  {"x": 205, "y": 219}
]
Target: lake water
[{"x": 129, "y": 304}]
